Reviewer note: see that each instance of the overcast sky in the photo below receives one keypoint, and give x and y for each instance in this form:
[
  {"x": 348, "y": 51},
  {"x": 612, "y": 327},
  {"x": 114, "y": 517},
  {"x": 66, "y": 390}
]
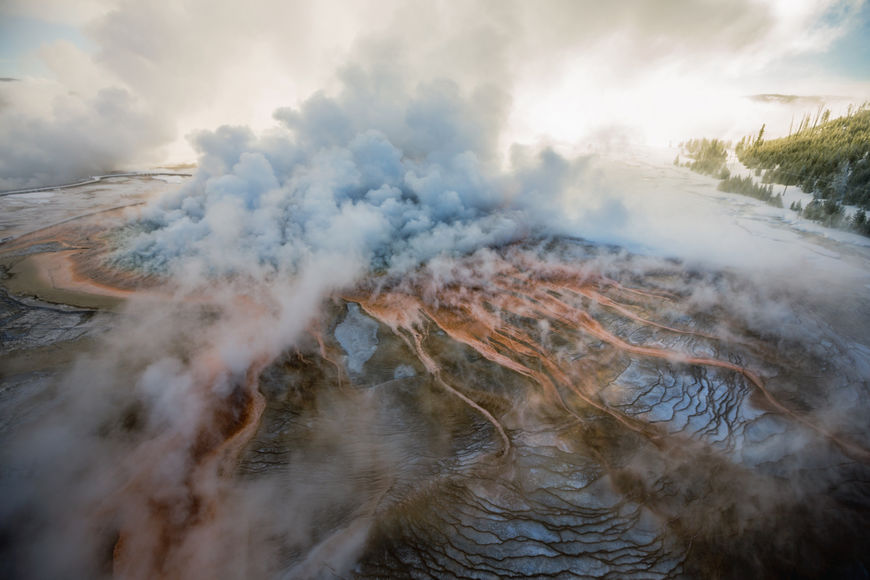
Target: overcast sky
[{"x": 103, "y": 83}]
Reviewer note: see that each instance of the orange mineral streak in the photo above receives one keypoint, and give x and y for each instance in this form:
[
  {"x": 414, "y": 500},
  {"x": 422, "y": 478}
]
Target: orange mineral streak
[
  {"x": 593, "y": 327},
  {"x": 404, "y": 315},
  {"x": 170, "y": 509},
  {"x": 316, "y": 331},
  {"x": 60, "y": 271},
  {"x": 600, "y": 298},
  {"x": 74, "y": 249},
  {"x": 486, "y": 316},
  {"x": 504, "y": 341}
]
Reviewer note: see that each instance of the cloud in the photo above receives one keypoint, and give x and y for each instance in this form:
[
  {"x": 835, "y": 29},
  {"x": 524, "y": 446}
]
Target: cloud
[
  {"x": 79, "y": 137},
  {"x": 194, "y": 65}
]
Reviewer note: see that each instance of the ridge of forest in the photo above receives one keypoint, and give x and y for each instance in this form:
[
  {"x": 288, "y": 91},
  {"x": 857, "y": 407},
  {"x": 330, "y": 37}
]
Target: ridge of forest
[{"x": 828, "y": 158}]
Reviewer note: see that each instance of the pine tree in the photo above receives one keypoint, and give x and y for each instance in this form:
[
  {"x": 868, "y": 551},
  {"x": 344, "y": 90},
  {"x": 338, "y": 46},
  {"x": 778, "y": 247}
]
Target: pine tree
[
  {"x": 859, "y": 221},
  {"x": 760, "y": 138}
]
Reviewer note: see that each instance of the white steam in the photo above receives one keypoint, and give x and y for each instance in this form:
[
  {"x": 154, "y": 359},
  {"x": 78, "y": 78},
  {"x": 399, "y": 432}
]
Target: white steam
[{"x": 389, "y": 182}]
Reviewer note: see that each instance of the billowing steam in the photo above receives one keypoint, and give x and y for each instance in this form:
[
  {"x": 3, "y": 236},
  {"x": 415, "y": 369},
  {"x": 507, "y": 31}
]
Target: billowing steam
[
  {"x": 386, "y": 177},
  {"x": 268, "y": 229}
]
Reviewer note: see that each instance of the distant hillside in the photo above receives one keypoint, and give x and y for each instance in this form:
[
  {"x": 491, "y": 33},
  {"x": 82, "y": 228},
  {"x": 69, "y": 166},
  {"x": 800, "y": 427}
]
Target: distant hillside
[
  {"x": 827, "y": 157},
  {"x": 788, "y": 99}
]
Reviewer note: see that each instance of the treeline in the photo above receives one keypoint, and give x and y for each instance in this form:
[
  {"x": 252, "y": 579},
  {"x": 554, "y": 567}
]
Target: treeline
[
  {"x": 747, "y": 186},
  {"x": 830, "y": 213},
  {"x": 829, "y": 158},
  {"x": 707, "y": 156}
]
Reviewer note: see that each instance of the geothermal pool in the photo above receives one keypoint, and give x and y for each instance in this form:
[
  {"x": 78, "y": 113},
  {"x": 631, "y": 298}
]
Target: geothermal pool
[{"x": 664, "y": 397}]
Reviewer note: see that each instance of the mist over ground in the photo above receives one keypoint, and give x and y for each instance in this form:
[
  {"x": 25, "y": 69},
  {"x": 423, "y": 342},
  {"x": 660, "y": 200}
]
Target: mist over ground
[{"x": 402, "y": 328}]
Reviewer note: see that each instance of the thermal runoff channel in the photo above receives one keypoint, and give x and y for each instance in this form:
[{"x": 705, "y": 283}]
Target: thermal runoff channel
[{"x": 364, "y": 344}]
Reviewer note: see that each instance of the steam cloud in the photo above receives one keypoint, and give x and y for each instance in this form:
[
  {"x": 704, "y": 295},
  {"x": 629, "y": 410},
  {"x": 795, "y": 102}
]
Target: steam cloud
[{"x": 383, "y": 174}]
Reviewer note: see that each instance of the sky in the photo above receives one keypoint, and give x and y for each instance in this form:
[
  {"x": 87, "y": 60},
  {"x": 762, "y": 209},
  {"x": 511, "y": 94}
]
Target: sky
[{"x": 110, "y": 84}]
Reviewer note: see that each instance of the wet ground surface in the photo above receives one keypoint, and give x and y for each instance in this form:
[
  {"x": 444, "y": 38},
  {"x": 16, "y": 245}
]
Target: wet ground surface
[
  {"x": 678, "y": 470},
  {"x": 595, "y": 420},
  {"x": 27, "y": 212}
]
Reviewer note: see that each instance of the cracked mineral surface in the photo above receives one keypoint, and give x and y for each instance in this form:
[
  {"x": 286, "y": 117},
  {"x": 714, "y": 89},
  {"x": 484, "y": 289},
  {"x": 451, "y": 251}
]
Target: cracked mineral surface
[{"x": 553, "y": 409}]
